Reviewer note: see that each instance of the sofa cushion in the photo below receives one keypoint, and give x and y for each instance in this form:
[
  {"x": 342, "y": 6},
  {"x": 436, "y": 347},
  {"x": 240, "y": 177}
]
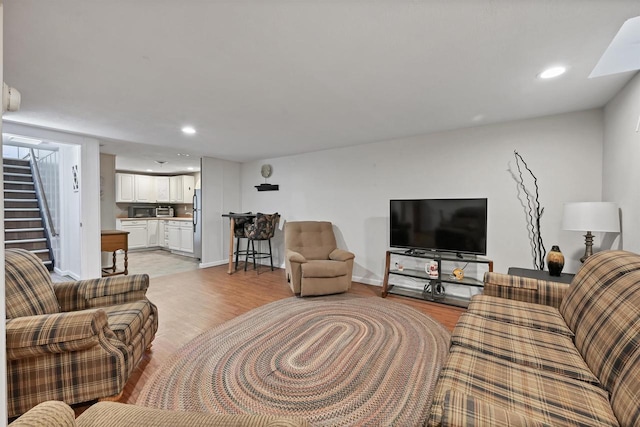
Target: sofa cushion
[
  {"x": 519, "y": 313},
  {"x": 546, "y": 396},
  {"x": 463, "y": 410},
  {"x": 28, "y": 287},
  {"x": 325, "y": 269},
  {"x": 526, "y": 346},
  {"x": 626, "y": 392},
  {"x": 605, "y": 306},
  {"x": 594, "y": 278},
  {"x": 126, "y": 320}
]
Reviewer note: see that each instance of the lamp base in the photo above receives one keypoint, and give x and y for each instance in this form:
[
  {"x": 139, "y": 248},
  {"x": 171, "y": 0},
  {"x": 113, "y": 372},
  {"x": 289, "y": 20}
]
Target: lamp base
[{"x": 588, "y": 246}]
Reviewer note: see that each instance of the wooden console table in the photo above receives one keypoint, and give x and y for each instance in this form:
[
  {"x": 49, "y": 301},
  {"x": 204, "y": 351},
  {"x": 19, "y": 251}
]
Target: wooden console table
[{"x": 113, "y": 241}]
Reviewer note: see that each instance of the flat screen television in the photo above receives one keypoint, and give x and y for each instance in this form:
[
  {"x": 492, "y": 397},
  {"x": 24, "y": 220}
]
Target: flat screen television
[{"x": 447, "y": 225}]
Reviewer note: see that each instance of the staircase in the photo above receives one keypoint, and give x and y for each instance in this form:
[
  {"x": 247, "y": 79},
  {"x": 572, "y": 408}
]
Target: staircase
[{"x": 23, "y": 218}]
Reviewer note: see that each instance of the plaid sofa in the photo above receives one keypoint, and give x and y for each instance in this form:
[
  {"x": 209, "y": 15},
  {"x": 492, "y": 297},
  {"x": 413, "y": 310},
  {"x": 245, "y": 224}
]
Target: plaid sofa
[
  {"x": 535, "y": 353},
  {"x": 113, "y": 414},
  {"x": 74, "y": 341}
]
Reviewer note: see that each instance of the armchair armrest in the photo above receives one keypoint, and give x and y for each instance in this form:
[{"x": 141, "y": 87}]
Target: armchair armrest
[
  {"x": 54, "y": 333},
  {"x": 51, "y": 413},
  {"x": 341, "y": 255},
  {"x": 524, "y": 289},
  {"x": 106, "y": 291},
  {"x": 293, "y": 256}
]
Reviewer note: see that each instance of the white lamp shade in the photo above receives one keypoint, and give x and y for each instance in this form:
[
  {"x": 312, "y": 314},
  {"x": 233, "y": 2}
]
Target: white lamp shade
[{"x": 591, "y": 216}]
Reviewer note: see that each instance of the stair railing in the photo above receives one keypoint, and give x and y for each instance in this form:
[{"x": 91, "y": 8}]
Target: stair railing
[{"x": 43, "y": 196}]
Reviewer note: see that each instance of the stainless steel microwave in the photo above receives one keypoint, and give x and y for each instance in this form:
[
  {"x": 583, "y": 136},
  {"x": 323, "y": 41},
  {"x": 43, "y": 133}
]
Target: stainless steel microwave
[{"x": 142, "y": 211}]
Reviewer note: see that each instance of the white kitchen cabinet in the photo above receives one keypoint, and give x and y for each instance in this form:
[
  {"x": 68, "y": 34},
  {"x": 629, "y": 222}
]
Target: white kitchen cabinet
[
  {"x": 180, "y": 236},
  {"x": 173, "y": 228},
  {"x": 176, "y": 191},
  {"x": 162, "y": 240},
  {"x": 145, "y": 188},
  {"x": 186, "y": 237},
  {"x": 152, "y": 233},
  {"x": 125, "y": 188},
  {"x": 188, "y": 186},
  {"x": 181, "y": 189},
  {"x": 137, "y": 233},
  {"x": 162, "y": 189}
]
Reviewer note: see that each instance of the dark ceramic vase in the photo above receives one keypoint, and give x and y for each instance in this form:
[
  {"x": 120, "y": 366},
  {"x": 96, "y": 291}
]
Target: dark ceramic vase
[{"x": 555, "y": 261}]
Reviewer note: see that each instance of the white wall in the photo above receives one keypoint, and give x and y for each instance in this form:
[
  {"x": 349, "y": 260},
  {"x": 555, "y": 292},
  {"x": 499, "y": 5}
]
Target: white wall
[
  {"x": 621, "y": 173},
  {"x": 220, "y": 184},
  {"x": 352, "y": 186}
]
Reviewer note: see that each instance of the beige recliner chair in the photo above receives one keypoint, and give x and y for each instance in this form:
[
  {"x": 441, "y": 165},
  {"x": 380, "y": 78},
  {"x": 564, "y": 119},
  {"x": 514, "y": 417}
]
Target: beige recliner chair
[{"x": 315, "y": 266}]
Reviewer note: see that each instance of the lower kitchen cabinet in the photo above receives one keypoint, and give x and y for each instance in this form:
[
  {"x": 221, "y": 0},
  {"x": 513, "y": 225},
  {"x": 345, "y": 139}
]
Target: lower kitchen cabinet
[
  {"x": 174, "y": 235},
  {"x": 180, "y": 236},
  {"x": 137, "y": 233}
]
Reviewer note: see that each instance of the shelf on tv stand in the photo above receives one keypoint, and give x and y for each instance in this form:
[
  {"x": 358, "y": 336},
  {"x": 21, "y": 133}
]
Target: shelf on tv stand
[{"x": 433, "y": 287}]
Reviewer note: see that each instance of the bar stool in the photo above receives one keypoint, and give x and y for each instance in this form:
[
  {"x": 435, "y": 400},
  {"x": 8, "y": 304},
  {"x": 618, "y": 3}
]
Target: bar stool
[
  {"x": 238, "y": 233},
  {"x": 262, "y": 228}
]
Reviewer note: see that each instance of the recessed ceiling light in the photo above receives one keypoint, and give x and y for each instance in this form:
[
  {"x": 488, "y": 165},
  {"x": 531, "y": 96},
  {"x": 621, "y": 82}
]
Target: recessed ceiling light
[
  {"x": 552, "y": 72},
  {"x": 189, "y": 168},
  {"x": 149, "y": 170},
  {"x": 189, "y": 130},
  {"x": 183, "y": 154}
]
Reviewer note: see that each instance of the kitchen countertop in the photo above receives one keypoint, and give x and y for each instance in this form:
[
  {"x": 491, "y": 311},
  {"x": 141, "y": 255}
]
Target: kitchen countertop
[{"x": 169, "y": 218}]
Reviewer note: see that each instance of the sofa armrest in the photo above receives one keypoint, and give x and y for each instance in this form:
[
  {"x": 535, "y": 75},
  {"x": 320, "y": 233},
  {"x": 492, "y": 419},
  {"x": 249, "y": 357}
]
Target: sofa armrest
[
  {"x": 106, "y": 291},
  {"x": 54, "y": 333},
  {"x": 52, "y": 413},
  {"x": 524, "y": 289},
  {"x": 341, "y": 255},
  {"x": 460, "y": 410},
  {"x": 120, "y": 414}
]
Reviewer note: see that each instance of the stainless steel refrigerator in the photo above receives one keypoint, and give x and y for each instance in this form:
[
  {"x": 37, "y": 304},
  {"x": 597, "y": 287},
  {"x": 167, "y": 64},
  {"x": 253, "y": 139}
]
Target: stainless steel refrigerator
[{"x": 197, "y": 223}]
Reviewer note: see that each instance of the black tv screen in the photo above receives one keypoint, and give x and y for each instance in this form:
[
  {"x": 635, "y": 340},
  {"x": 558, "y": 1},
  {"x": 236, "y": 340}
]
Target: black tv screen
[{"x": 448, "y": 225}]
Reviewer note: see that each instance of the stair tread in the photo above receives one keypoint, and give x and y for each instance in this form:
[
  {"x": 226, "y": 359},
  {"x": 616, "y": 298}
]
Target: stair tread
[
  {"x": 21, "y": 209},
  {"x": 40, "y": 239},
  {"x": 23, "y": 219},
  {"x": 18, "y": 230},
  {"x": 14, "y": 190}
]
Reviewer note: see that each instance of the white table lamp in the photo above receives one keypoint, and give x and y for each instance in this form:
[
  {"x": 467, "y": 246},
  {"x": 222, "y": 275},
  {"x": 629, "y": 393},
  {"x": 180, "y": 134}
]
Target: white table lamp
[{"x": 591, "y": 216}]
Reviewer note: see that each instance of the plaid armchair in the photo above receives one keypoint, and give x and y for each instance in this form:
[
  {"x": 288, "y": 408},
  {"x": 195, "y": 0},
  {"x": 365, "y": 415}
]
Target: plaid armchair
[{"x": 73, "y": 341}]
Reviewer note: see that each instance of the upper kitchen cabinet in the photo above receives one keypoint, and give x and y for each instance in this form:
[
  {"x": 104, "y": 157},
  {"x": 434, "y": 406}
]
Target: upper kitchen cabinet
[
  {"x": 125, "y": 188},
  {"x": 181, "y": 189},
  {"x": 136, "y": 188},
  {"x": 145, "y": 186},
  {"x": 163, "y": 189}
]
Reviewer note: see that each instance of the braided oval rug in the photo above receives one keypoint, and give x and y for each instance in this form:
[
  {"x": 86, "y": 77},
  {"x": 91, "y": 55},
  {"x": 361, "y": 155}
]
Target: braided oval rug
[{"x": 335, "y": 361}]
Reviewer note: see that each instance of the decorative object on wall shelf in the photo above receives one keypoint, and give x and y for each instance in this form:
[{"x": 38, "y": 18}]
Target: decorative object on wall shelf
[
  {"x": 458, "y": 274},
  {"x": 531, "y": 203},
  {"x": 555, "y": 261},
  {"x": 267, "y": 187},
  {"x": 266, "y": 170}
]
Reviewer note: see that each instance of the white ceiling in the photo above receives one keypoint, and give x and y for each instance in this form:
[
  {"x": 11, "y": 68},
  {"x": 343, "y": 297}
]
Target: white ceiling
[{"x": 266, "y": 78}]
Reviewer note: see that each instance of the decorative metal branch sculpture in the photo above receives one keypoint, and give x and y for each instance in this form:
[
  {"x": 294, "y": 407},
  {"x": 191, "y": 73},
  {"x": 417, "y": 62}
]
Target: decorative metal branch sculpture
[{"x": 534, "y": 213}]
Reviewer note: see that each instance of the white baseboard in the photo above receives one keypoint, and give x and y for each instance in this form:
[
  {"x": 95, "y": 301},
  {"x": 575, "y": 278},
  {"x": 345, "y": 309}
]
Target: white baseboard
[
  {"x": 367, "y": 281},
  {"x": 66, "y": 273},
  {"x": 213, "y": 263}
]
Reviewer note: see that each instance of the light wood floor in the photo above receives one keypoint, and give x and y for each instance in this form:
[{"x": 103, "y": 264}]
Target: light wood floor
[{"x": 193, "y": 302}]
